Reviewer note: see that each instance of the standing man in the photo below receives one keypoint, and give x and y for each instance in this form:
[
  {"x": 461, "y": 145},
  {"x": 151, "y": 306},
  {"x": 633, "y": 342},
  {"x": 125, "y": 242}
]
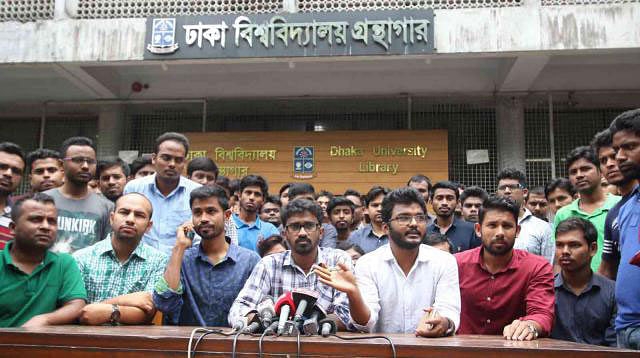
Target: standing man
[
  {"x": 83, "y": 216},
  {"x": 537, "y": 203},
  {"x": 585, "y": 301},
  {"x": 399, "y": 284},
  {"x": 251, "y": 229},
  {"x": 372, "y": 236},
  {"x": 323, "y": 198},
  {"x": 46, "y": 170},
  {"x": 112, "y": 174},
  {"x": 284, "y": 194},
  {"x": 422, "y": 184},
  {"x": 202, "y": 171},
  {"x": 358, "y": 214},
  {"x": 329, "y": 235},
  {"x": 141, "y": 167},
  {"x": 37, "y": 287},
  {"x": 471, "y": 201},
  {"x": 201, "y": 281},
  {"x": 504, "y": 291},
  {"x": 594, "y": 203},
  {"x": 167, "y": 190},
  {"x": 341, "y": 211},
  {"x": 559, "y": 193},
  {"x": 121, "y": 272},
  {"x": 535, "y": 234},
  {"x": 270, "y": 211},
  {"x": 460, "y": 233},
  {"x": 12, "y": 166}
]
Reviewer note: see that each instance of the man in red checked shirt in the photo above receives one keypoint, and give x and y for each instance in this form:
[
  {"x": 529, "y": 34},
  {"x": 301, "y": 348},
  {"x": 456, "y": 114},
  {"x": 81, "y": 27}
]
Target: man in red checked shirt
[{"x": 504, "y": 291}]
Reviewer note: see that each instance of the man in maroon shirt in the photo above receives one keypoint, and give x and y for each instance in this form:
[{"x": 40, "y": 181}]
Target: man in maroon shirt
[{"x": 504, "y": 291}]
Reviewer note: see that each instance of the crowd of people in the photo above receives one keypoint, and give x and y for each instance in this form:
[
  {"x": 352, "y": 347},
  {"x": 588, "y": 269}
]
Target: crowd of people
[{"x": 103, "y": 242}]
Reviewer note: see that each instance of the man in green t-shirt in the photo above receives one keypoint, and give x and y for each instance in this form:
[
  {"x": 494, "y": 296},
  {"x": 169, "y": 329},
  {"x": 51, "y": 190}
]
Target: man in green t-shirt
[{"x": 37, "y": 287}]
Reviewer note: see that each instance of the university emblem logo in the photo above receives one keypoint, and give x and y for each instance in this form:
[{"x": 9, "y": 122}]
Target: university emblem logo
[
  {"x": 163, "y": 37},
  {"x": 303, "y": 163}
]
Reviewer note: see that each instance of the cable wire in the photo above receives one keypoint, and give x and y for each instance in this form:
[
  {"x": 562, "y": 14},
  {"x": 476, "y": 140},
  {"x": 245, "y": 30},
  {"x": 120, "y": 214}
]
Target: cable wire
[
  {"x": 393, "y": 347},
  {"x": 260, "y": 343},
  {"x": 235, "y": 343},
  {"x": 298, "y": 345},
  {"x": 191, "y": 353}
]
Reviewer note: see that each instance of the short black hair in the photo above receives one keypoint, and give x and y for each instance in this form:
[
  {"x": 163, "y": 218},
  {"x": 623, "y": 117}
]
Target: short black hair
[
  {"x": 559, "y": 183},
  {"x": 352, "y": 192},
  {"x": 445, "y": 184},
  {"x": 406, "y": 196},
  {"x": 223, "y": 181},
  {"x": 419, "y": 178},
  {"x": 512, "y": 173},
  {"x": 340, "y": 200},
  {"x": 588, "y": 230},
  {"x": 283, "y": 188},
  {"x": 234, "y": 186},
  {"x": 582, "y": 152},
  {"x": 348, "y": 245},
  {"x": 374, "y": 192},
  {"x": 204, "y": 164},
  {"x": 210, "y": 191},
  {"x": 627, "y": 121},
  {"x": 300, "y": 206},
  {"x": 538, "y": 190},
  {"x": 499, "y": 203},
  {"x": 80, "y": 141},
  {"x": 139, "y": 163},
  {"x": 110, "y": 162},
  {"x": 12, "y": 148},
  {"x": 254, "y": 180},
  {"x": 473, "y": 192},
  {"x": 176, "y": 137},
  {"x": 42, "y": 153},
  {"x": 267, "y": 244},
  {"x": 16, "y": 209},
  {"x": 435, "y": 238},
  {"x": 296, "y": 189},
  {"x": 273, "y": 199},
  {"x": 324, "y": 193},
  {"x": 602, "y": 139}
]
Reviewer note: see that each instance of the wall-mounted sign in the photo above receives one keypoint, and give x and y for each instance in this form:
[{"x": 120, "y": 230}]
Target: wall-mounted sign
[
  {"x": 345, "y": 33},
  {"x": 303, "y": 162}
]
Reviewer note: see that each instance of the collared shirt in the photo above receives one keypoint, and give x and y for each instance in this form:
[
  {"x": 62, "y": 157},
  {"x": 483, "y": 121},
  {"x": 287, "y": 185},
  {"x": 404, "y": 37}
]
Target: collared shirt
[
  {"x": 169, "y": 212},
  {"x": 461, "y": 234},
  {"x": 5, "y": 220},
  {"x": 53, "y": 283},
  {"x": 627, "y": 287},
  {"x": 587, "y": 318},
  {"x": 367, "y": 239},
  {"x": 105, "y": 277},
  {"x": 395, "y": 300},
  {"x": 278, "y": 273},
  {"x": 250, "y": 234},
  {"x": 535, "y": 236},
  {"x": 597, "y": 218},
  {"x": 206, "y": 291},
  {"x": 523, "y": 290},
  {"x": 611, "y": 241}
]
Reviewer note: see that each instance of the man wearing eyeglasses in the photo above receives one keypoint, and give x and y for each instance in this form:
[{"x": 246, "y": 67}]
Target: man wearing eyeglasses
[
  {"x": 83, "y": 216},
  {"x": 402, "y": 287}
]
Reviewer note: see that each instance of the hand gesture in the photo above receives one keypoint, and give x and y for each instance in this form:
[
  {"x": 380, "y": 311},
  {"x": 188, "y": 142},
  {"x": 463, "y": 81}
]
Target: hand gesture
[
  {"x": 182, "y": 239},
  {"x": 520, "y": 331},
  {"x": 432, "y": 324},
  {"x": 340, "y": 277}
]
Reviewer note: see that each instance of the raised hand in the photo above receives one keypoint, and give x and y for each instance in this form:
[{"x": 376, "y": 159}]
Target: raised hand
[{"x": 340, "y": 277}]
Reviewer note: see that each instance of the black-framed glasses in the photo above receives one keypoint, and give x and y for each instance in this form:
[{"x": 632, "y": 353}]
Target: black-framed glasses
[
  {"x": 504, "y": 187},
  {"x": 406, "y": 219},
  {"x": 308, "y": 227},
  {"x": 81, "y": 160}
]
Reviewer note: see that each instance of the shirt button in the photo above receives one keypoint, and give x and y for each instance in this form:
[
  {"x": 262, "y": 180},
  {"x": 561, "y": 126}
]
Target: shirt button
[
  {"x": 488, "y": 321},
  {"x": 488, "y": 298},
  {"x": 493, "y": 277}
]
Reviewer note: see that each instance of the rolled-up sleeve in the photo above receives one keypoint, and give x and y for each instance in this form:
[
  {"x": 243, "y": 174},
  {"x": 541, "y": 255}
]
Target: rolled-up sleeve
[
  {"x": 447, "y": 298},
  {"x": 166, "y": 300},
  {"x": 540, "y": 298}
]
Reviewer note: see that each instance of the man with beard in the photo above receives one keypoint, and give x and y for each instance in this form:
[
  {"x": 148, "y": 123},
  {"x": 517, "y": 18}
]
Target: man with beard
[
  {"x": 504, "y": 290},
  {"x": 83, "y": 216},
  {"x": 403, "y": 287},
  {"x": 341, "y": 211},
  {"x": 251, "y": 229},
  {"x": 201, "y": 281},
  {"x": 372, "y": 236},
  {"x": 279, "y": 273},
  {"x": 602, "y": 145},
  {"x": 444, "y": 199},
  {"x": 329, "y": 235},
  {"x": 471, "y": 201},
  {"x": 12, "y": 166},
  {"x": 537, "y": 203},
  {"x": 112, "y": 176},
  {"x": 167, "y": 190},
  {"x": 37, "y": 287},
  {"x": 358, "y": 214},
  {"x": 594, "y": 203},
  {"x": 120, "y": 273},
  {"x": 625, "y": 130},
  {"x": 270, "y": 211}
]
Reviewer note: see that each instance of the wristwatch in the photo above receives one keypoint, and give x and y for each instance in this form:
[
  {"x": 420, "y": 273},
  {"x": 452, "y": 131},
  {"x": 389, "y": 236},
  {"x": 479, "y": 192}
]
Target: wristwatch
[
  {"x": 115, "y": 315},
  {"x": 451, "y": 329},
  {"x": 533, "y": 329}
]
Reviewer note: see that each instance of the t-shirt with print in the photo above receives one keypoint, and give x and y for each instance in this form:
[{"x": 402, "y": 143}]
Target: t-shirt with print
[{"x": 81, "y": 223}]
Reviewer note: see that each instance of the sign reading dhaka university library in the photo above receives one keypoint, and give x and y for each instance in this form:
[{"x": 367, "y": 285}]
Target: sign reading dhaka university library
[{"x": 401, "y": 32}]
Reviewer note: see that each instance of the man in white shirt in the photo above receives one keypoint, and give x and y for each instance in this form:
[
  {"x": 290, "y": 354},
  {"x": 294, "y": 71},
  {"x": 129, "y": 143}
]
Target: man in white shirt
[{"x": 402, "y": 287}]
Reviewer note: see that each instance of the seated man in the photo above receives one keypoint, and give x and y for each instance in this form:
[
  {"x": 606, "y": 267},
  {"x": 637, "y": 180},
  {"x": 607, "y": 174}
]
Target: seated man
[
  {"x": 201, "y": 282},
  {"x": 278, "y": 273},
  {"x": 585, "y": 301},
  {"x": 37, "y": 287},
  {"x": 400, "y": 284},
  {"x": 504, "y": 291},
  {"x": 307, "y": 191},
  {"x": 120, "y": 272}
]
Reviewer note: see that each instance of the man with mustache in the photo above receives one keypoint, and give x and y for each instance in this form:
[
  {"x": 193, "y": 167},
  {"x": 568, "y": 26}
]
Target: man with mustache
[
  {"x": 504, "y": 290},
  {"x": 250, "y": 228},
  {"x": 341, "y": 212},
  {"x": 201, "y": 281},
  {"x": 444, "y": 199},
  {"x": 594, "y": 204},
  {"x": 471, "y": 201},
  {"x": 46, "y": 171},
  {"x": 403, "y": 287},
  {"x": 372, "y": 235},
  {"x": 12, "y": 166},
  {"x": 112, "y": 176},
  {"x": 307, "y": 191}
]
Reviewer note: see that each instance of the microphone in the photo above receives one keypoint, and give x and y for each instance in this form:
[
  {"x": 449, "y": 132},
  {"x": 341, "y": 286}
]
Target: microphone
[
  {"x": 254, "y": 323},
  {"x": 240, "y": 324},
  {"x": 328, "y": 326},
  {"x": 284, "y": 307},
  {"x": 304, "y": 300},
  {"x": 266, "y": 311},
  {"x": 310, "y": 325}
]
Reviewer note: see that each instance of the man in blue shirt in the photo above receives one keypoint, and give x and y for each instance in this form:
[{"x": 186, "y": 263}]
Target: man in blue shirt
[
  {"x": 201, "y": 282},
  {"x": 625, "y": 130},
  {"x": 253, "y": 190},
  {"x": 372, "y": 236},
  {"x": 167, "y": 190}
]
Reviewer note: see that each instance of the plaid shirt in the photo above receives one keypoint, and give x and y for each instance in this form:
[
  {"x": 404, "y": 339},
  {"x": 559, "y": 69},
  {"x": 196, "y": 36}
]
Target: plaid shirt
[
  {"x": 104, "y": 277},
  {"x": 277, "y": 273}
]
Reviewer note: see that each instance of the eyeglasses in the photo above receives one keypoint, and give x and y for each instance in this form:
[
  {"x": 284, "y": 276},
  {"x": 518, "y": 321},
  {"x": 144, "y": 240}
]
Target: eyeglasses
[
  {"x": 510, "y": 187},
  {"x": 308, "y": 227},
  {"x": 81, "y": 160},
  {"x": 406, "y": 219}
]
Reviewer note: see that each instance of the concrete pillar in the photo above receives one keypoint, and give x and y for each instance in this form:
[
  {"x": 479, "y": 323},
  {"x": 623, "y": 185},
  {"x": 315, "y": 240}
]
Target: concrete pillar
[
  {"x": 510, "y": 133},
  {"x": 110, "y": 130}
]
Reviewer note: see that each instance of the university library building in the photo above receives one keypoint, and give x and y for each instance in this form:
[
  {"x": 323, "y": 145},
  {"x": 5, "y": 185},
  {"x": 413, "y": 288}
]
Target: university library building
[{"x": 319, "y": 178}]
